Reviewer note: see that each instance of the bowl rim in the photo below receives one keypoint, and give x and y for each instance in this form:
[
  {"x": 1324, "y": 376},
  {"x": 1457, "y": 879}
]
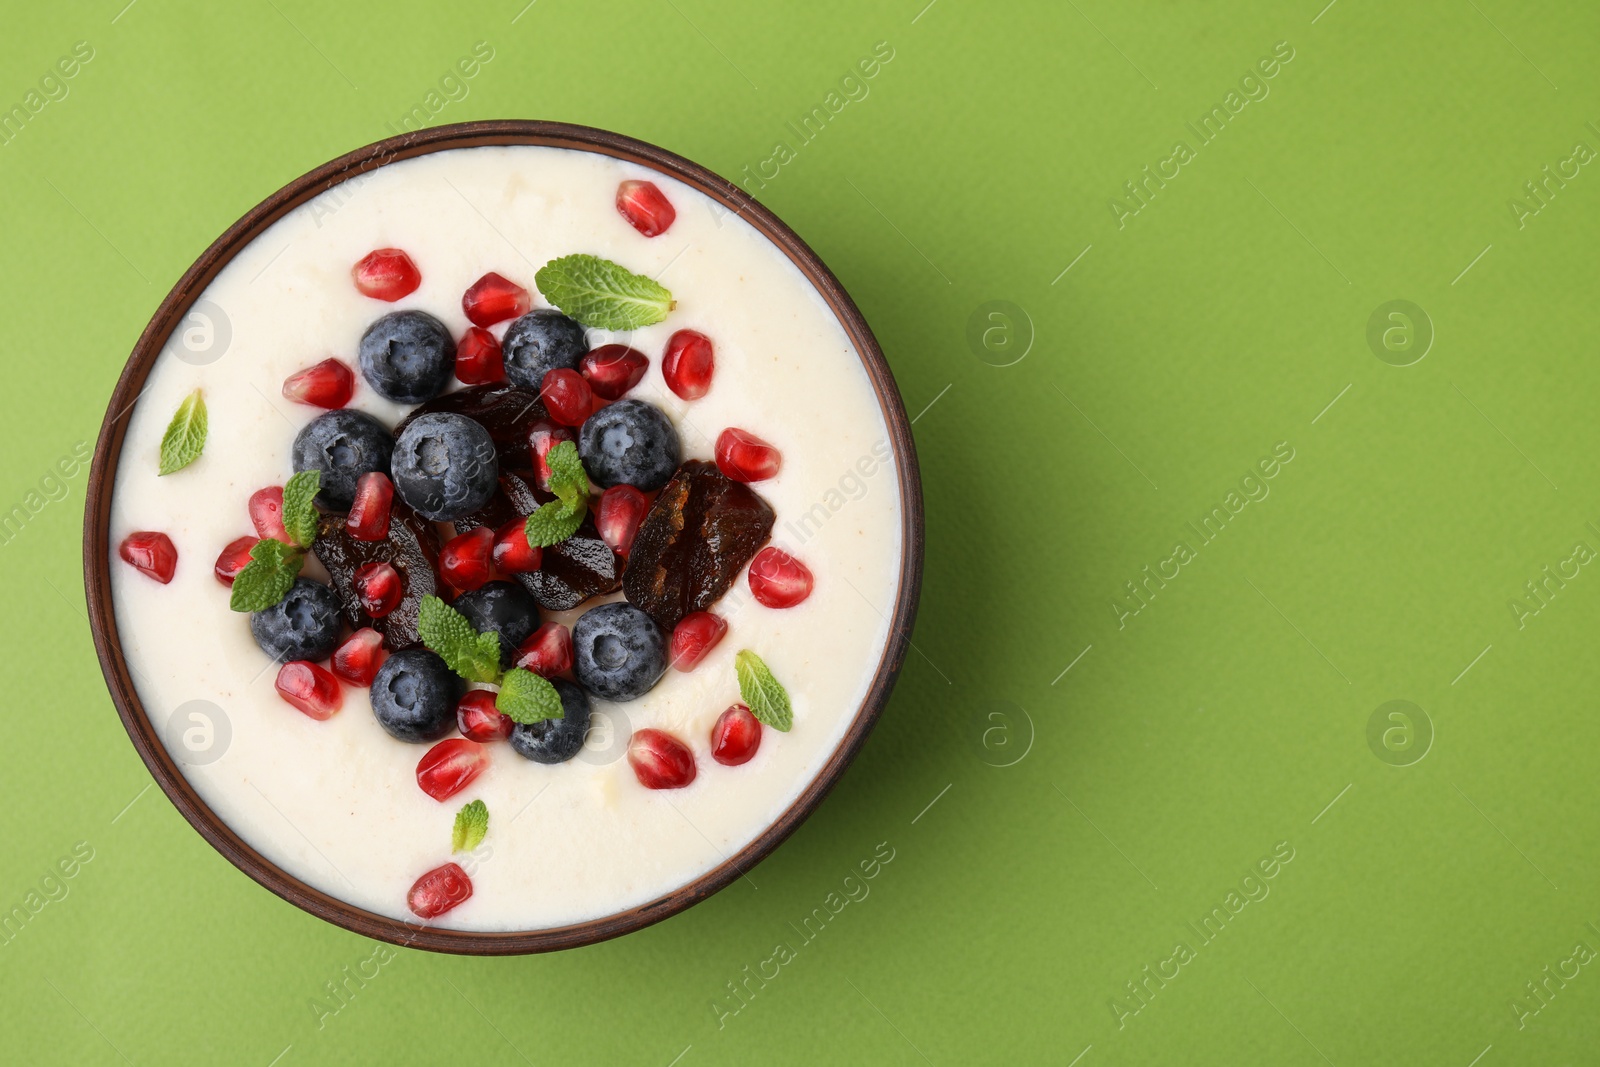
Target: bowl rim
[{"x": 188, "y": 289}]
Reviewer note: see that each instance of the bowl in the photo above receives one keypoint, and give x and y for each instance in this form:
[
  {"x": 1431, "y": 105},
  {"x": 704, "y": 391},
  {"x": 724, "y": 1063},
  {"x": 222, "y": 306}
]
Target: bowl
[{"x": 102, "y": 478}]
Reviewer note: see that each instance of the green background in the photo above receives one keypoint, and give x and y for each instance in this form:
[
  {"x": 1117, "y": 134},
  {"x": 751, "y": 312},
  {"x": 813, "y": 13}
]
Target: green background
[{"x": 1082, "y": 819}]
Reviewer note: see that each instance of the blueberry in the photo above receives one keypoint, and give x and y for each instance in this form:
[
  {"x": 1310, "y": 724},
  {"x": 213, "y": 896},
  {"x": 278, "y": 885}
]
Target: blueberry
[
  {"x": 539, "y": 342},
  {"x": 505, "y": 609},
  {"x": 555, "y": 740},
  {"x": 414, "y": 696},
  {"x": 619, "y": 653},
  {"x": 407, "y": 356},
  {"x": 343, "y": 445},
  {"x": 303, "y": 625},
  {"x": 629, "y": 443},
  {"x": 445, "y": 466}
]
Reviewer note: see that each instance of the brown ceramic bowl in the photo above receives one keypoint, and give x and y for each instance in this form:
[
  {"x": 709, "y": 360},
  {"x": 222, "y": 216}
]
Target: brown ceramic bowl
[{"x": 96, "y": 543}]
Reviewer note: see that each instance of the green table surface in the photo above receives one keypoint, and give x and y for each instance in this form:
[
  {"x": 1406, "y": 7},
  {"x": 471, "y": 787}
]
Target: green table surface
[{"x": 1163, "y": 815}]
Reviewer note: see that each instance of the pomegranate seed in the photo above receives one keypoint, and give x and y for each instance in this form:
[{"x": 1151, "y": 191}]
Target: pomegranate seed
[
  {"x": 233, "y": 559},
  {"x": 621, "y": 510},
  {"x": 266, "y": 511},
  {"x": 696, "y": 635},
  {"x": 387, "y": 274},
  {"x": 542, "y": 437},
  {"x": 493, "y": 299},
  {"x": 467, "y": 560},
  {"x": 369, "y": 513},
  {"x": 450, "y": 766},
  {"x": 480, "y": 720},
  {"x": 779, "y": 580},
  {"x": 645, "y": 208},
  {"x": 310, "y": 688},
  {"x": 377, "y": 587},
  {"x": 438, "y": 891},
  {"x": 611, "y": 370},
  {"x": 735, "y": 737},
  {"x": 358, "y": 659},
  {"x": 512, "y": 553},
  {"x": 479, "y": 360},
  {"x": 688, "y": 364},
  {"x": 547, "y": 652},
  {"x": 150, "y": 553},
  {"x": 329, "y": 384},
  {"x": 659, "y": 760},
  {"x": 744, "y": 457},
  {"x": 566, "y": 396}
]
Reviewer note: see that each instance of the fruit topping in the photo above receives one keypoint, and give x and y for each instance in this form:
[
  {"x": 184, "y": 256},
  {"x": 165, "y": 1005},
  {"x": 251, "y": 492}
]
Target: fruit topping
[
  {"x": 232, "y": 559},
  {"x": 700, "y": 532},
  {"x": 688, "y": 364},
  {"x": 153, "y": 554},
  {"x": 619, "y": 653},
  {"x": 266, "y": 513},
  {"x": 611, "y": 370},
  {"x": 548, "y": 652},
  {"x": 445, "y": 466},
  {"x": 503, "y": 609},
  {"x": 542, "y": 437},
  {"x": 508, "y": 412},
  {"x": 411, "y": 548},
  {"x": 479, "y": 720},
  {"x": 512, "y": 553},
  {"x": 629, "y": 442},
  {"x": 574, "y": 570},
  {"x": 478, "y": 358},
  {"x": 744, "y": 457},
  {"x": 328, "y": 384},
  {"x": 342, "y": 445},
  {"x": 407, "y": 356},
  {"x": 303, "y": 625},
  {"x": 450, "y": 766},
  {"x": 555, "y": 740},
  {"x": 310, "y": 688},
  {"x": 358, "y": 659},
  {"x": 778, "y": 580},
  {"x": 538, "y": 343},
  {"x": 567, "y": 396},
  {"x": 377, "y": 587},
  {"x": 369, "y": 514},
  {"x": 695, "y": 636},
  {"x": 645, "y": 208},
  {"x": 621, "y": 510},
  {"x": 438, "y": 891},
  {"x": 516, "y": 499},
  {"x": 493, "y": 299},
  {"x": 659, "y": 760},
  {"x": 735, "y": 737},
  {"x": 386, "y": 274},
  {"x": 414, "y": 696},
  {"x": 466, "y": 561}
]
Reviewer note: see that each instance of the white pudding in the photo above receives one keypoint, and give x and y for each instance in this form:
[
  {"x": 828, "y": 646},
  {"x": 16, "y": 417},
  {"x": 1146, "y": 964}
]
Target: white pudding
[{"x": 336, "y": 804}]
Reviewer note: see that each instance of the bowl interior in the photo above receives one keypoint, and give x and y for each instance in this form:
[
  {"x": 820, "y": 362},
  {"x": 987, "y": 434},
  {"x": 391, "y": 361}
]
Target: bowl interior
[{"x": 178, "y": 303}]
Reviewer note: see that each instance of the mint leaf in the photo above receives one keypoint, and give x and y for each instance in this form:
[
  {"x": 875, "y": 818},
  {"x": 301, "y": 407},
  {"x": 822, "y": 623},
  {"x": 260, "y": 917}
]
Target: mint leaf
[
  {"x": 186, "y": 435},
  {"x": 768, "y": 700},
  {"x": 568, "y": 480},
  {"x": 602, "y": 294},
  {"x": 474, "y": 656},
  {"x": 472, "y": 822},
  {"x": 554, "y": 522},
  {"x": 266, "y": 579},
  {"x": 526, "y": 697},
  {"x": 299, "y": 513}
]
